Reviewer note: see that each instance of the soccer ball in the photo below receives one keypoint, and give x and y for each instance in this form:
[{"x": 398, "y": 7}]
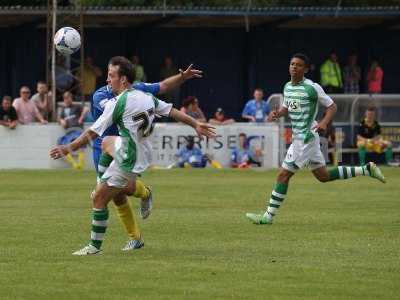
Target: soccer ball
[{"x": 67, "y": 40}]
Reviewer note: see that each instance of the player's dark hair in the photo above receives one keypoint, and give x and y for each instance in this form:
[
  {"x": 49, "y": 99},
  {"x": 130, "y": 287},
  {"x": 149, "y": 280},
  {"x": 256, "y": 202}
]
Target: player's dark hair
[
  {"x": 125, "y": 67},
  {"x": 303, "y": 57}
]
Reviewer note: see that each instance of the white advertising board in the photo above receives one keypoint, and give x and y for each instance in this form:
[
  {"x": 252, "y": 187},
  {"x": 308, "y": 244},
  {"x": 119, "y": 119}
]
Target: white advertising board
[{"x": 27, "y": 147}]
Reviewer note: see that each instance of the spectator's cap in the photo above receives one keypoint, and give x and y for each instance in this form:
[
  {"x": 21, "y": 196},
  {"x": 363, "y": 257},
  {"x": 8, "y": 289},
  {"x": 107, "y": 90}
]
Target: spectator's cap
[{"x": 220, "y": 110}]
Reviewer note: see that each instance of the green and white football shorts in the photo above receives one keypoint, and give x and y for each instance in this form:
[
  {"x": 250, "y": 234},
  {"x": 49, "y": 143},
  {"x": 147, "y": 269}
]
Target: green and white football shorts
[
  {"x": 114, "y": 176},
  {"x": 301, "y": 155}
]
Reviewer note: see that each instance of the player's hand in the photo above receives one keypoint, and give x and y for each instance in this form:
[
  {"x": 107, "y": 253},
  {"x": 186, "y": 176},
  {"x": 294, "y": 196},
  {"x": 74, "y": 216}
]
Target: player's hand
[
  {"x": 320, "y": 127},
  {"x": 190, "y": 73},
  {"x": 273, "y": 115},
  {"x": 204, "y": 129},
  {"x": 59, "y": 151}
]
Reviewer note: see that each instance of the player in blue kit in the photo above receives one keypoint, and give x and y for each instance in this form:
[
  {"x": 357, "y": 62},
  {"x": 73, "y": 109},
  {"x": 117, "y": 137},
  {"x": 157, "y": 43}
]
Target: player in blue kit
[{"x": 102, "y": 161}]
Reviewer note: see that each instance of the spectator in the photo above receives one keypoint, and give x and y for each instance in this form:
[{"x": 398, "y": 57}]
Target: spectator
[
  {"x": 8, "y": 114},
  {"x": 71, "y": 115},
  {"x": 26, "y": 110},
  {"x": 64, "y": 78},
  {"x": 256, "y": 110},
  {"x": 331, "y": 75},
  {"x": 220, "y": 119},
  {"x": 42, "y": 100},
  {"x": 352, "y": 76},
  {"x": 89, "y": 78},
  {"x": 375, "y": 78},
  {"x": 240, "y": 157},
  {"x": 191, "y": 156},
  {"x": 369, "y": 138},
  {"x": 140, "y": 75},
  {"x": 167, "y": 70},
  {"x": 191, "y": 108}
]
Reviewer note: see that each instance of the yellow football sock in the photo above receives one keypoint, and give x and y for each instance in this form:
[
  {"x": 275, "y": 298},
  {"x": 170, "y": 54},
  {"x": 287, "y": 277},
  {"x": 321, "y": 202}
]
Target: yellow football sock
[
  {"x": 71, "y": 160},
  {"x": 141, "y": 191},
  {"x": 127, "y": 218},
  {"x": 81, "y": 160}
]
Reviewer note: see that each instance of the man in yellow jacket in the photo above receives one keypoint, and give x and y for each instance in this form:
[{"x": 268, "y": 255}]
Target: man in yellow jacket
[{"x": 331, "y": 75}]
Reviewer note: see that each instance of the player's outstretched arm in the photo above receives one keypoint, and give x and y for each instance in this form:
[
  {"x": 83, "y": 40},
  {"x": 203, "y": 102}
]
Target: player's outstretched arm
[
  {"x": 202, "y": 129},
  {"x": 175, "y": 81},
  {"x": 62, "y": 150}
]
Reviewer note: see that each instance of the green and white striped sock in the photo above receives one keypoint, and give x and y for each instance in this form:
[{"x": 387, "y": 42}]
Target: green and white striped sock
[
  {"x": 276, "y": 199},
  {"x": 104, "y": 162},
  {"x": 343, "y": 172},
  {"x": 99, "y": 226}
]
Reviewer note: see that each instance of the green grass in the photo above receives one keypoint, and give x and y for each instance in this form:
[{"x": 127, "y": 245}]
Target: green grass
[{"x": 330, "y": 241}]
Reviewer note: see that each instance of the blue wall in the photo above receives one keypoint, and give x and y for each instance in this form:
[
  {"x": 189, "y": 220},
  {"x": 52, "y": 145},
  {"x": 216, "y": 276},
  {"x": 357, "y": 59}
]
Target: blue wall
[{"x": 234, "y": 62}]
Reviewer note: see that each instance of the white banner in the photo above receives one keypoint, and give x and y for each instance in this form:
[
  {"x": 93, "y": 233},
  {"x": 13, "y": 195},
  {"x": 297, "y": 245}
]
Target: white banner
[
  {"x": 28, "y": 146},
  {"x": 168, "y": 138}
]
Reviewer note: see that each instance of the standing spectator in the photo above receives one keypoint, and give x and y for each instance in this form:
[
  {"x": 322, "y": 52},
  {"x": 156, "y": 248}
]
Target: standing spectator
[
  {"x": 369, "y": 138},
  {"x": 8, "y": 115},
  {"x": 89, "y": 78},
  {"x": 140, "y": 75},
  {"x": 256, "y": 110},
  {"x": 43, "y": 101},
  {"x": 331, "y": 75},
  {"x": 71, "y": 115},
  {"x": 191, "y": 108},
  {"x": 64, "y": 77},
  {"x": 375, "y": 78},
  {"x": 26, "y": 110},
  {"x": 352, "y": 76},
  {"x": 167, "y": 70},
  {"x": 220, "y": 119}
]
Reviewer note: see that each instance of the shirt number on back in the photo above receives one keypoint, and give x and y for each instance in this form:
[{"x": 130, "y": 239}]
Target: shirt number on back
[{"x": 146, "y": 127}]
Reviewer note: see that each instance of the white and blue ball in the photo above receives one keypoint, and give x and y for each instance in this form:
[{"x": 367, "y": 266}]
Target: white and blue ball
[{"x": 67, "y": 40}]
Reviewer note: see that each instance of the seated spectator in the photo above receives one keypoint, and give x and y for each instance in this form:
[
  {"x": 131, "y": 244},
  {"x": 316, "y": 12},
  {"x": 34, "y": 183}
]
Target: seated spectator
[
  {"x": 220, "y": 119},
  {"x": 375, "y": 78},
  {"x": 8, "y": 114},
  {"x": 191, "y": 156},
  {"x": 369, "y": 138},
  {"x": 191, "y": 107},
  {"x": 243, "y": 156},
  {"x": 42, "y": 100},
  {"x": 240, "y": 157},
  {"x": 256, "y": 110},
  {"x": 27, "y": 111},
  {"x": 71, "y": 115},
  {"x": 71, "y": 118}
]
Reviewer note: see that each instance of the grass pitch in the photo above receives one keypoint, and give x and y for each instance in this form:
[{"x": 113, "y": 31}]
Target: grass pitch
[{"x": 330, "y": 241}]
